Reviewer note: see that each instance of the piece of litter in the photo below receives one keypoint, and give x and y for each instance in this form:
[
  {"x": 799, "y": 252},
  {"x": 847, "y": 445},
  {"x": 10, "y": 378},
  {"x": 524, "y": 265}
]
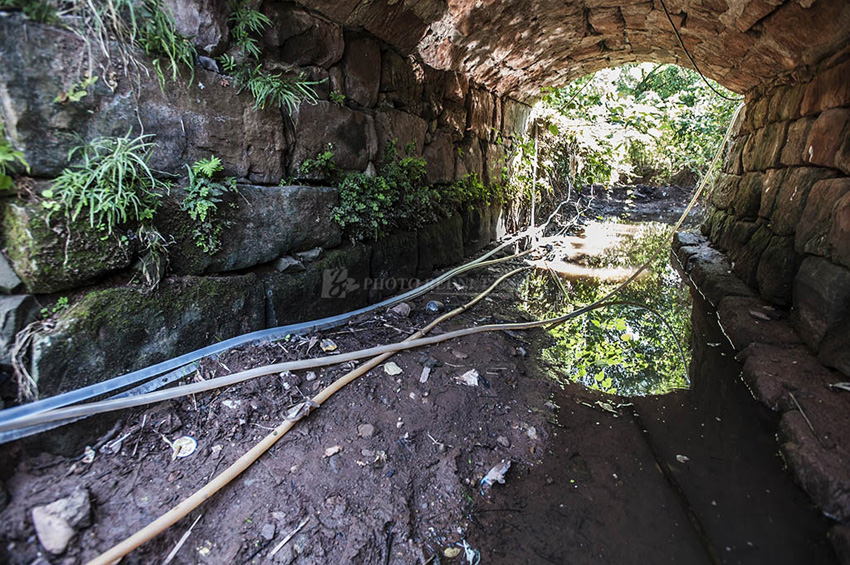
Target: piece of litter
[
  {"x": 289, "y": 536},
  {"x": 682, "y": 458},
  {"x": 426, "y": 372},
  {"x": 300, "y": 410},
  {"x": 451, "y": 552},
  {"x": 469, "y": 378},
  {"x": 392, "y": 369},
  {"x": 841, "y": 386},
  {"x": 473, "y": 556},
  {"x": 182, "y": 447},
  {"x": 401, "y": 310},
  {"x": 310, "y": 376},
  {"x": 333, "y": 450},
  {"x": 460, "y": 354},
  {"x": 231, "y": 404},
  {"x": 496, "y": 474},
  {"x": 327, "y": 345},
  {"x": 531, "y": 432},
  {"x": 759, "y": 315},
  {"x": 434, "y": 307},
  {"x": 114, "y": 446},
  {"x": 88, "y": 454}
]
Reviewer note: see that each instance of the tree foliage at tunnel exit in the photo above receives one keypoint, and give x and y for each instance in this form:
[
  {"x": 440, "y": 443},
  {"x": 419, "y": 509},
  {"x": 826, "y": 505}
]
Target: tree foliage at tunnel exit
[{"x": 638, "y": 123}]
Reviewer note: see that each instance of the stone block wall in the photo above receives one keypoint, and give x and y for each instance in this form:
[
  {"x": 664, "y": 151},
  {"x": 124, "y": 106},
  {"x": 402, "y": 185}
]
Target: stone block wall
[
  {"x": 277, "y": 241},
  {"x": 781, "y": 206}
]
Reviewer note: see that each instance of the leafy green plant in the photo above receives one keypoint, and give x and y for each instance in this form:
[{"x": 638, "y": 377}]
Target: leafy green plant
[
  {"x": 247, "y": 23},
  {"x": 36, "y": 10},
  {"x": 396, "y": 198},
  {"x": 10, "y": 160},
  {"x": 62, "y": 304},
  {"x": 322, "y": 165},
  {"x": 204, "y": 193},
  {"x": 158, "y": 37},
  {"x": 337, "y": 97},
  {"x": 111, "y": 180},
  {"x": 270, "y": 89},
  {"x": 77, "y": 92}
]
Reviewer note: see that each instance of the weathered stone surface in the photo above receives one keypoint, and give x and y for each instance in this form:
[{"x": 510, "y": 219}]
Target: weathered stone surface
[
  {"x": 112, "y": 331},
  {"x": 724, "y": 191},
  {"x": 763, "y": 149},
  {"x": 337, "y": 283},
  {"x": 476, "y": 228},
  {"x": 833, "y": 349},
  {"x": 747, "y": 198},
  {"x": 362, "y": 63},
  {"x": 743, "y": 15},
  {"x": 29, "y": 83},
  {"x": 771, "y": 371},
  {"x": 747, "y": 256},
  {"x": 821, "y": 299},
  {"x": 792, "y": 197},
  {"x": 393, "y": 264},
  {"x": 515, "y": 118},
  {"x": 188, "y": 123},
  {"x": 842, "y": 158},
  {"x": 401, "y": 127},
  {"x": 15, "y": 313},
  {"x": 299, "y": 38},
  {"x": 440, "y": 245},
  {"x": 776, "y": 269},
  {"x": 49, "y": 257},
  {"x": 734, "y": 149},
  {"x": 773, "y": 180},
  {"x": 829, "y": 89},
  {"x": 785, "y": 105},
  {"x": 193, "y": 123},
  {"x": 838, "y": 239},
  {"x": 260, "y": 224},
  {"x": 470, "y": 159},
  {"x": 822, "y": 473},
  {"x": 795, "y": 142},
  {"x": 817, "y": 218},
  {"x": 402, "y": 82},
  {"x": 9, "y": 280},
  {"x": 743, "y": 328},
  {"x": 480, "y": 112},
  {"x": 205, "y": 21},
  {"x": 440, "y": 159},
  {"x": 351, "y": 133},
  {"x": 56, "y": 523},
  {"x": 826, "y": 137},
  {"x": 839, "y": 537}
]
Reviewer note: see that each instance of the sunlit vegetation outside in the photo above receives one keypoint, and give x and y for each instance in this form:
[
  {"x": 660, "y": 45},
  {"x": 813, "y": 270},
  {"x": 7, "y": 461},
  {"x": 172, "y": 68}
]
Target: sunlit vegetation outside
[{"x": 646, "y": 124}]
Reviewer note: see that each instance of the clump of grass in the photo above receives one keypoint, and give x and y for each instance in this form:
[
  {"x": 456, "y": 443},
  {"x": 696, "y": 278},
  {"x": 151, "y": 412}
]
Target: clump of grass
[
  {"x": 247, "y": 23},
  {"x": 158, "y": 37},
  {"x": 270, "y": 89},
  {"x": 111, "y": 181}
]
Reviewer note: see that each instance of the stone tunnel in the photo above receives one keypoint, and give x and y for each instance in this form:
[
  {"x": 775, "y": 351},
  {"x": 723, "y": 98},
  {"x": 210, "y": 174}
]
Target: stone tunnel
[
  {"x": 456, "y": 78},
  {"x": 442, "y": 73}
]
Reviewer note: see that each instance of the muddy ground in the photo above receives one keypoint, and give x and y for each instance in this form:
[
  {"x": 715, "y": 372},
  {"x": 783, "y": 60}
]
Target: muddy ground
[{"x": 389, "y": 470}]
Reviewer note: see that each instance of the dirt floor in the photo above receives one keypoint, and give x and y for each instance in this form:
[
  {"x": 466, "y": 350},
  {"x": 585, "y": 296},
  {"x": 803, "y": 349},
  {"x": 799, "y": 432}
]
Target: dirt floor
[{"x": 389, "y": 470}]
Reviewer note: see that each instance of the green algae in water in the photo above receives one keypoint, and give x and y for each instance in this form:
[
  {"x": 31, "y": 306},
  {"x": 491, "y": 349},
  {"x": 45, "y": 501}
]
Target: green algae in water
[{"x": 618, "y": 349}]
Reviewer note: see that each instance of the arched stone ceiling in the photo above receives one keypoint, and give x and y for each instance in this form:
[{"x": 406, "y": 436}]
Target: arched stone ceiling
[{"x": 518, "y": 46}]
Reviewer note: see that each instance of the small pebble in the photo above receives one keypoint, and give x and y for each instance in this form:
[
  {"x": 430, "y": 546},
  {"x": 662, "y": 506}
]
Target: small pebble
[
  {"x": 503, "y": 441},
  {"x": 267, "y": 532},
  {"x": 311, "y": 376},
  {"x": 366, "y": 430}
]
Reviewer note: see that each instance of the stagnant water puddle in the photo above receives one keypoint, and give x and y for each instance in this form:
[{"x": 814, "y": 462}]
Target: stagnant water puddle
[{"x": 622, "y": 349}]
